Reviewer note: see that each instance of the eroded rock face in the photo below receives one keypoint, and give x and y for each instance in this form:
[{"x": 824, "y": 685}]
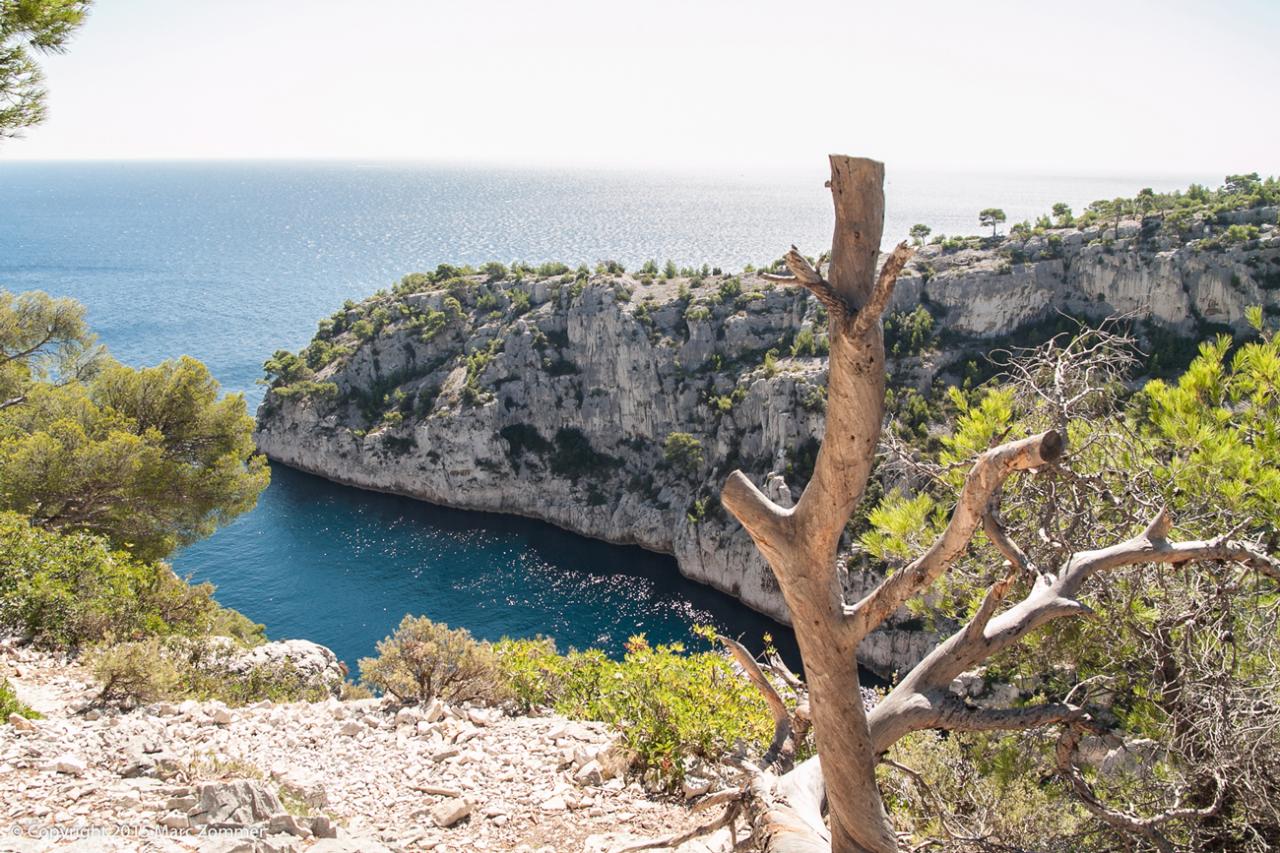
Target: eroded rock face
[{"x": 566, "y": 398}]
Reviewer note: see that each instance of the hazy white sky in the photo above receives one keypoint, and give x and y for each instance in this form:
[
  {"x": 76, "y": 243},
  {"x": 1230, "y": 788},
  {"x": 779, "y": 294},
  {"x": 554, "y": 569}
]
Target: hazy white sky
[{"x": 1113, "y": 86}]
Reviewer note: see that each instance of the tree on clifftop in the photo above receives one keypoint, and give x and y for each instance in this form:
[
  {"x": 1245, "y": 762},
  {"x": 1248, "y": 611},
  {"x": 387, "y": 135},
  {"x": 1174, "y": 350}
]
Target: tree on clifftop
[
  {"x": 919, "y": 233},
  {"x": 992, "y": 217},
  {"x": 28, "y": 27}
]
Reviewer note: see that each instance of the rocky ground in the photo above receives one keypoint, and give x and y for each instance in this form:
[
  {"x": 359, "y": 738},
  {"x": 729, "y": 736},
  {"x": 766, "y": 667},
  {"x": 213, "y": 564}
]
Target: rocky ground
[{"x": 329, "y": 776}]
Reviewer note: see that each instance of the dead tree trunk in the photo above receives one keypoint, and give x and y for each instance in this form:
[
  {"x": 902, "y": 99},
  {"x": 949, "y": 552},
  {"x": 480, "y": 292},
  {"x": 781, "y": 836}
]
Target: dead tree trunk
[{"x": 800, "y": 544}]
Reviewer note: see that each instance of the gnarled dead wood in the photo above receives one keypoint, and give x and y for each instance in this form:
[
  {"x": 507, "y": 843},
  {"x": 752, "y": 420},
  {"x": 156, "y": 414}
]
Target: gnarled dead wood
[
  {"x": 985, "y": 478},
  {"x": 782, "y": 750},
  {"x": 800, "y": 542}
]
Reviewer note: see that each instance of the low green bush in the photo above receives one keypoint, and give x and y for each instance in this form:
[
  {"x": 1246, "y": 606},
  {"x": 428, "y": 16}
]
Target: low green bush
[
  {"x": 942, "y": 788},
  {"x": 72, "y": 590},
  {"x": 669, "y": 705},
  {"x": 176, "y": 668},
  {"x": 683, "y": 451},
  {"x": 424, "y": 660}
]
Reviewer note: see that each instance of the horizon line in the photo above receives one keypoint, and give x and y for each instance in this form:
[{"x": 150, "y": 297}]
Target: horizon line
[{"x": 558, "y": 166}]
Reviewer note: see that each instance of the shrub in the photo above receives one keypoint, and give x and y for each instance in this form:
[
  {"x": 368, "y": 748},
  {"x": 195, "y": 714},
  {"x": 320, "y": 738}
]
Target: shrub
[
  {"x": 424, "y": 660},
  {"x": 176, "y": 668},
  {"x": 132, "y": 674},
  {"x": 551, "y": 268},
  {"x": 414, "y": 282},
  {"x": 431, "y": 323},
  {"x": 683, "y": 452},
  {"x": 307, "y": 388},
  {"x": 533, "y": 674},
  {"x": 1241, "y": 233},
  {"x": 908, "y": 333},
  {"x": 69, "y": 590},
  {"x": 1003, "y": 784},
  {"x": 805, "y": 343},
  {"x": 695, "y": 313},
  {"x": 363, "y": 329},
  {"x": 668, "y": 705}
]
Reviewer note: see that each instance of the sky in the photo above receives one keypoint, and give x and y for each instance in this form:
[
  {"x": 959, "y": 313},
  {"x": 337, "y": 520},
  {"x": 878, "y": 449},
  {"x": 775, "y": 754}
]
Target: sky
[{"x": 1079, "y": 87}]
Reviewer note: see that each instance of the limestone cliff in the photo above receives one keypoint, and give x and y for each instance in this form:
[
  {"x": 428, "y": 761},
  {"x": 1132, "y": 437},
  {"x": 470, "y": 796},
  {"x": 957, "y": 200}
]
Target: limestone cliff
[{"x": 614, "y": 405}]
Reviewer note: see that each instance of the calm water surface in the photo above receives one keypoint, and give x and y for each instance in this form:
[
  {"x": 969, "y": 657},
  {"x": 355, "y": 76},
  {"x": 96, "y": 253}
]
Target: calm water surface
[{"x": 228, "y": 262}]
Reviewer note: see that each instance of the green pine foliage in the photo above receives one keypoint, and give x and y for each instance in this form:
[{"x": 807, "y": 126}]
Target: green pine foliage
[
  {"x": 152, "y": 458},
  {"x": 29, "y": 28},
  {"x": 683, "y": 452}
]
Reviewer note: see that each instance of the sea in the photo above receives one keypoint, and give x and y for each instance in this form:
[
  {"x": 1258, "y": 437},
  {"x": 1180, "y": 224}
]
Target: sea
[{"x": 230, "y": 261}]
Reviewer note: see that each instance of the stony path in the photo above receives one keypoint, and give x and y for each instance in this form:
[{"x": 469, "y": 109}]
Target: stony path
[{"x": 374, "y": 776}]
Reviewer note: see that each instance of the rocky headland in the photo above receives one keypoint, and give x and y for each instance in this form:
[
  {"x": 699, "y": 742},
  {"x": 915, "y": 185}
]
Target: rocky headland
[{"x": 614, "y": 404}]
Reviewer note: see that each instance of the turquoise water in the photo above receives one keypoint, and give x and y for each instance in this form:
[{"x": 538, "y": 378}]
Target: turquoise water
[{"x": 229, "y": 262}]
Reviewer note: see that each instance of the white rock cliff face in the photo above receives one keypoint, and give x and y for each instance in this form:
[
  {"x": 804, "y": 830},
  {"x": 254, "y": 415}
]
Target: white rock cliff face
[{"x": 556, "y": 397}]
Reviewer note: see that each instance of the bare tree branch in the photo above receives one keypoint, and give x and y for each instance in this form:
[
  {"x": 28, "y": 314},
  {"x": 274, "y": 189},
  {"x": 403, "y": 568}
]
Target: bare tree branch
[
  {"x": 804, "y": 275},
  {"x": 782, "y": 749},
  {"x": 869, "y": 314},
  {"x": 1144, "y": 827},
  {"x": 988, "y": 473}
]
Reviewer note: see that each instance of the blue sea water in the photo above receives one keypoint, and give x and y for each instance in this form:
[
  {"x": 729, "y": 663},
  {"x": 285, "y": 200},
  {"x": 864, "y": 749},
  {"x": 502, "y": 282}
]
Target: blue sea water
[{"x": 228, "y": 262}]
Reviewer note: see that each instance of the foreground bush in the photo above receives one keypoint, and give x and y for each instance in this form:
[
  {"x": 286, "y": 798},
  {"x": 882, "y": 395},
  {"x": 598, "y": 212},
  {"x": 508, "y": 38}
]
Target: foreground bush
[
  {"x": 670, "y": 706},
  {"x": 73, "y": 590},
  {"x": 982, "y": 791},
  {"x": 177, "y": 668},
  {"x": 424, "y": 660}
]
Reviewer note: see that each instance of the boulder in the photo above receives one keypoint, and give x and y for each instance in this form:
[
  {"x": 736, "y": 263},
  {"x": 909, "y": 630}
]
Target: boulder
[
  {"x": 285, "y": 823},
  {"x": 322, "y": 827},
  {"x": 309, "y": 789},
  {"x": 240, "y": 802},
  {"x": 21, "y": 723},
  {"x": 67, "y": 763},
  {"x": 450, "y": 812},
  {"x": 314, "y": 663},
  {"x": 589, "y": 774}
]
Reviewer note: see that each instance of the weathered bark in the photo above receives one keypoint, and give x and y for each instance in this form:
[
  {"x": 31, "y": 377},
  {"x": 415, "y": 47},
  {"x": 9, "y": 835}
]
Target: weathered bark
[{"x": 800, "y": 543}]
